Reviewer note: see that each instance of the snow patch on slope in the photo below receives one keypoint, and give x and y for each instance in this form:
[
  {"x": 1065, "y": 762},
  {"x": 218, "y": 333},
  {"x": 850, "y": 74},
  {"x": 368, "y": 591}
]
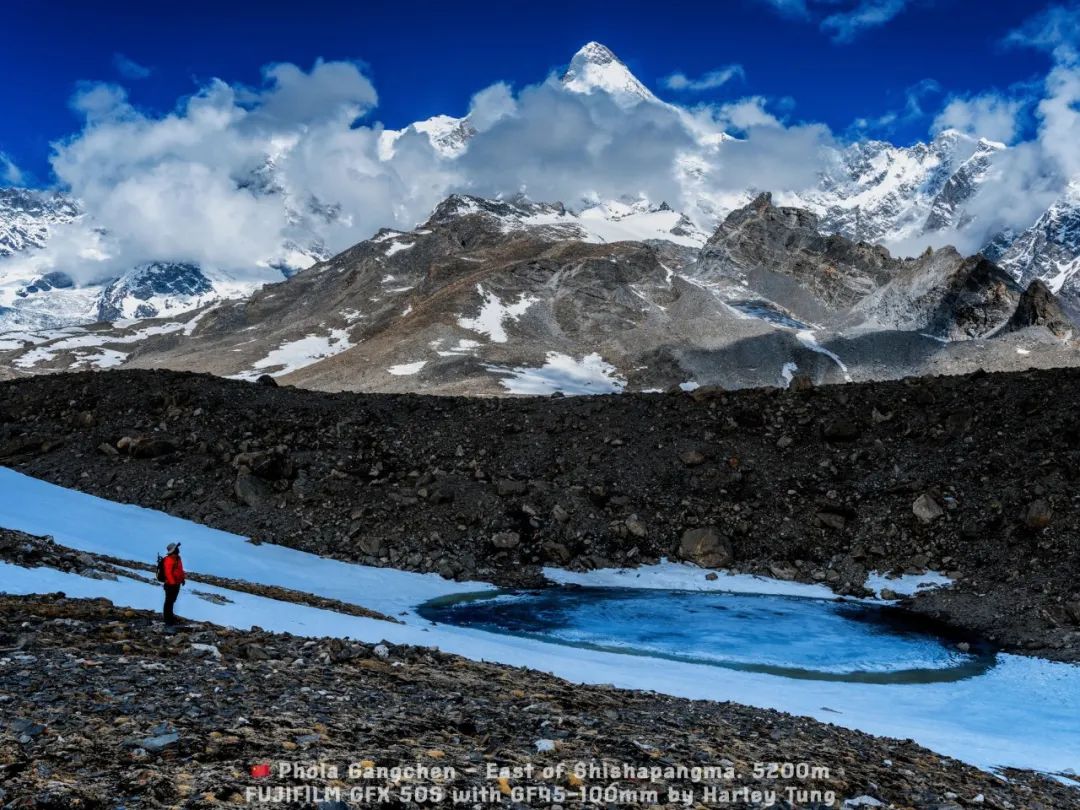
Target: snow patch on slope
[
  {"x": 407, "y": 369},
  {"x": 563, "y": 374},
  {"x": 77, "y": 342},
  {"x": 296, "y": 354},
  {"x": 494, "y": 314}
]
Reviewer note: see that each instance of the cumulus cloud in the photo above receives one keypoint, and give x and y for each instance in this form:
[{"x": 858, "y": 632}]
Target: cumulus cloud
[
  {"x": 603, "y": 149},
  {"x": 1056, "y": 30},
  {"x": 293, "y": 97},
  {"x": 745, "y": 114},
  {"x": 129, "y": 68},
  {"x": 233, "y": 179},
  {"x": 239, "y": 179},
  {"x": 708, "y": 81},
  {"x": 9, "y": 172},
  {"x": 491, "y": 105},
  {"x": 988, "y": 115},
  {"x": 790, "y": 8},
  {"x": 99, "y": 100}
]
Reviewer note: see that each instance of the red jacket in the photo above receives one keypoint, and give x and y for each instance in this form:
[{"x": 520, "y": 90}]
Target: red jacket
[{"x": 174, "y": 570}]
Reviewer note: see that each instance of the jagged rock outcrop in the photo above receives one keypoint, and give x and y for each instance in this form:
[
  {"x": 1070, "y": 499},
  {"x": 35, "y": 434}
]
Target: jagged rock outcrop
[
  {"x": 1039, "y": 307},
  {"x": 942, "y": 294},
  {"x": 781, "y": 254}
]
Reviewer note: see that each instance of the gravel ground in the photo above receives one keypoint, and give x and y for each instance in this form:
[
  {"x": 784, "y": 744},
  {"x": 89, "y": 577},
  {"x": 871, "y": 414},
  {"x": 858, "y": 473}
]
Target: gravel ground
[{"x": 104, "y": 707}]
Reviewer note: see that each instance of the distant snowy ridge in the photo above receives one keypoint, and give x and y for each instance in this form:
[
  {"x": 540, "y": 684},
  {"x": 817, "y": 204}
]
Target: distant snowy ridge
[{"x": 597, "y": 222}]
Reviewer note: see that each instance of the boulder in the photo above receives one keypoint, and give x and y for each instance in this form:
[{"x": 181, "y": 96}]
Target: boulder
[
  {"x": 705, "y": 547},
  {"x": 505, "y": 540},
  {"x": 252, "y": 490},
  {"x": 783, "y": 571},
  {"x": 1038, "y": 306},
  {"x": 926, "y": 509},
  {"x": 832, "y": 520},
  {"x": 801, "y": 382},
  {"x": 372, "y": 545},
  {"x": 268, "y": 465},
  {"x": 556, "y": 552}
]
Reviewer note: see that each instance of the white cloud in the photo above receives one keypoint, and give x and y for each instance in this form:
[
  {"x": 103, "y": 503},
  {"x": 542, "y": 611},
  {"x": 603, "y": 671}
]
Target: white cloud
[
  {"x": 229, "y": 178},
  {"x": 1056, "y": 30},
  {"x": 234, "y": 175},
  {"x": 329, "y": 91},
  {"x": 9, "y": 172},
  {"x": 915, "y": 102},
  {"x": 845, "y": 26},
  {"x": 790, "y": 8},
  {"x": 746, "y": 113},
  {"x": 707, "y": 81},
  {"x": 100, "y": 100},
  {"x": 842, "y": 20},
  {"x": 988, "y": 115},
  {"x": 491, "y": 105},
  {"x": 129, "y": 68},
  {"x": 1029, "y": 176}
]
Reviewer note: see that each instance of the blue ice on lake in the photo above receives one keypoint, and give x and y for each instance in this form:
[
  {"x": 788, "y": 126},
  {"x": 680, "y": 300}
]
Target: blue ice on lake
[{"x": 791, "y": 636}]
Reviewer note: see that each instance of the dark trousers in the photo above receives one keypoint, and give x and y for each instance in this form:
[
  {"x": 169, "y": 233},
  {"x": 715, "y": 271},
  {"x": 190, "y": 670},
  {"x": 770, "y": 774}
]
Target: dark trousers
[{"x": 171, "y": 592}]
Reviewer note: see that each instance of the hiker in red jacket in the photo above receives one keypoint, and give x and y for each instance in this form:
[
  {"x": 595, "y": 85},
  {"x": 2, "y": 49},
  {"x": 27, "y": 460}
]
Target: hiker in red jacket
[{"x": 174, "y": 578}]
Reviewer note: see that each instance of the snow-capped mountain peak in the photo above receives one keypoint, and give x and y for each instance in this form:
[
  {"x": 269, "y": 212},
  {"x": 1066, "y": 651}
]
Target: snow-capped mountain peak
[
  {"x": 595, "y": 67},
  {"x": 1050, "y": 249},
  {"x": 878, "y": 192},
  {"x": 449, "y": 136}
]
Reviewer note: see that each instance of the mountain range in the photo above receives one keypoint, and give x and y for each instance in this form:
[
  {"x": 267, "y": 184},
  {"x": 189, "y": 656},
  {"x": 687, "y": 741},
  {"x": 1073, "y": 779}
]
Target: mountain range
[{"x": 515, "y": 295}]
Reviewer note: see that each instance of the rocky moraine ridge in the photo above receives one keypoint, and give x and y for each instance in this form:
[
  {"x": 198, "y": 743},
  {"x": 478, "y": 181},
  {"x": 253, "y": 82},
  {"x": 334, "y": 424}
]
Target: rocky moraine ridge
[{"x": 972, "y": 476}]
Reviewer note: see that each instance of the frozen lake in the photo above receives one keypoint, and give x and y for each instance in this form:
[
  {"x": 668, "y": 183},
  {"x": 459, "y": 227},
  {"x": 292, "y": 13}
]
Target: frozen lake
[{"x": 789, "y": 636}]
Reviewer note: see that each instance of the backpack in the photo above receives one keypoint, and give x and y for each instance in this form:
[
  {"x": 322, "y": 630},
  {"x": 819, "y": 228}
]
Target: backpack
[{"x": 160, "y": 568}]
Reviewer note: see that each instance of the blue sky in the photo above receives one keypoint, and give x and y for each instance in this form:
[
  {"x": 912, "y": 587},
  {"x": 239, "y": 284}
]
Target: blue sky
[{"x": 810, "y": 58}]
